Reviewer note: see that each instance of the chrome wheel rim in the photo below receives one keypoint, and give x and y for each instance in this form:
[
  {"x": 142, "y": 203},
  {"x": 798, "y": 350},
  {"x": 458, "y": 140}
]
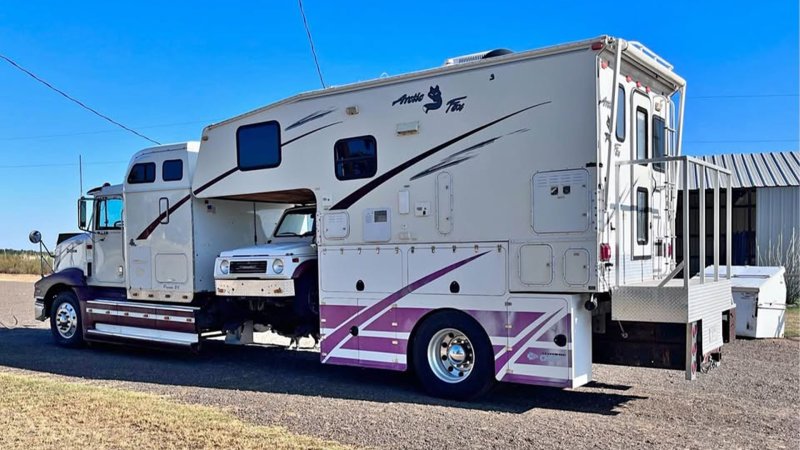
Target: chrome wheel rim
[
  {"x": 66, "y": 320},
  {"x": 450, "y": 355}
]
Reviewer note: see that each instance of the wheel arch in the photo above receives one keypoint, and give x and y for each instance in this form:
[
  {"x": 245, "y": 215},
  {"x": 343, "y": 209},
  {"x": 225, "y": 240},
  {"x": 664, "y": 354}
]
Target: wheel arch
[
  {"x": 48, "y": 287},
  {"x": 414, "y": 331}
]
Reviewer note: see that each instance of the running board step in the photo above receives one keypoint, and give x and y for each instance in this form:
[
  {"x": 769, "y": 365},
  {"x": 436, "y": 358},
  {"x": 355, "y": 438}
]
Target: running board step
[{"x": 143, "y": 334}]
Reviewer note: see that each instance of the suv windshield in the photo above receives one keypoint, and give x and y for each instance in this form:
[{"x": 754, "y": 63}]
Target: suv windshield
[{"x": 296, "y": 223}]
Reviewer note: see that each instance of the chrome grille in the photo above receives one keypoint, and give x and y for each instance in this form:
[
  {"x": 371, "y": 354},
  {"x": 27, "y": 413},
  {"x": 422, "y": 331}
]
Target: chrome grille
[{"x": 248, "y": 266}]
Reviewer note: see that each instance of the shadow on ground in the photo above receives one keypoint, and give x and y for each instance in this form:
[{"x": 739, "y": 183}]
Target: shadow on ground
[{"x": 274, "y": 369}]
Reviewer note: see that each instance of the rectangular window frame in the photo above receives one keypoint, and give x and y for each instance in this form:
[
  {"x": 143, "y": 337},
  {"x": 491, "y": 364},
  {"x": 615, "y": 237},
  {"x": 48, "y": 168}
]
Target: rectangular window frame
[
  {"x": 642, "y": 232},
  {"x": 662, "y": 125},
  {"x": 621, "y": 109},
  {"x": 279, "y": 146},
  {"x": 337, "y": 161},
  {"x": 102, "y": 206},
  {"x": 147, "y": 179},
  {"x": 164, "y": 170},
  {"x": 640, "y": 109}
]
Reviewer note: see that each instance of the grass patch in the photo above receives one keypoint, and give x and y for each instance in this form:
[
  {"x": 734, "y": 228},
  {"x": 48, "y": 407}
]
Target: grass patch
[
  {"x": 36, "y": 412},
  {"x": 22, "y": 262},
  {"x": 792, "y": 329}
]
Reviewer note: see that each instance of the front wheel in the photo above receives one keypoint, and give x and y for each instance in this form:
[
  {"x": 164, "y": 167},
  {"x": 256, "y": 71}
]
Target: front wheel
[
  {"x": 452, "y": 357},
  {"x": 65, "y": 320}
]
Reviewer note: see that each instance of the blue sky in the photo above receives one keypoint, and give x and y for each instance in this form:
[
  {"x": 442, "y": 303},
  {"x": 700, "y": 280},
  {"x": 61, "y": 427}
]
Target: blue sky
[{"x": 168, "y": 68}]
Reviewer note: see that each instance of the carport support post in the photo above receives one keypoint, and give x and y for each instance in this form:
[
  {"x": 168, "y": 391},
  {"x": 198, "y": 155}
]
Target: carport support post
[
  {"x": 728, "y": 225},
  {"x": 701, "y": 192},
  {"x": 716, "y": 225}
]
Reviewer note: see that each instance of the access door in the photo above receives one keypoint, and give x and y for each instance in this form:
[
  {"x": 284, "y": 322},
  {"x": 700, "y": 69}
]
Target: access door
[{"x": 642, "y": 185}]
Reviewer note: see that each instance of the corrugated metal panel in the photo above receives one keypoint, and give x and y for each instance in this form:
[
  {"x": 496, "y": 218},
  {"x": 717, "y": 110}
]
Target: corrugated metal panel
[
  {"x": 771, "y": 169},
  {"x": 777, "y": 220}
]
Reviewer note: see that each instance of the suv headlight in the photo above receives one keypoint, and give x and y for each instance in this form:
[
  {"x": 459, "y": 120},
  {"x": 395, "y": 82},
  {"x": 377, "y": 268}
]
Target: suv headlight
[
  {"x": 224, "y": 266},
  {"x": 277, "y": 266}
]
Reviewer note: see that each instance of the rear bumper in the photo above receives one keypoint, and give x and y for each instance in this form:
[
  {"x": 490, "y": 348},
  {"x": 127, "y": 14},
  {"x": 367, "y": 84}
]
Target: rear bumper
[
  {"x": 255, "y": 288},
  {"x": 39, "y": 312}
]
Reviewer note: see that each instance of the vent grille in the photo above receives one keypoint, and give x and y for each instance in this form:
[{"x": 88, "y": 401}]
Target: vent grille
[{"x": 248, "y": 266}]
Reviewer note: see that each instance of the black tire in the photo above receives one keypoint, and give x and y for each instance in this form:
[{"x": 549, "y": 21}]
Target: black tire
[
  {"x": 66, "y": 323},
  {"x": 306, "y": 297},
  {"x": 480, "y": 377}
]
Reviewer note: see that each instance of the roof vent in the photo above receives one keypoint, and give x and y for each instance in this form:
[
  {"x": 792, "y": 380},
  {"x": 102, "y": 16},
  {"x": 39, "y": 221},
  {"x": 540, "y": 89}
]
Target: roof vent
[{"x": 476, "y": 56}]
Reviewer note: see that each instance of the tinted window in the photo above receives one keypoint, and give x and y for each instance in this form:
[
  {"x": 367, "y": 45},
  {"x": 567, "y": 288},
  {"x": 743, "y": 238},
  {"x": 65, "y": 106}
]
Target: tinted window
[
  {"x": 659, "y": 141},
  {"x": 356, "y": 158},
  {"x": 641, "y": 133},
  {"x": 109, "y": 214},
  {"x": 142, "y": 173},
  {"x": 172, "y": 170},
  {"x": 621, "y": 114},
  {"x": 258, "y": 146},
  {"x": 642, "y": 216}
]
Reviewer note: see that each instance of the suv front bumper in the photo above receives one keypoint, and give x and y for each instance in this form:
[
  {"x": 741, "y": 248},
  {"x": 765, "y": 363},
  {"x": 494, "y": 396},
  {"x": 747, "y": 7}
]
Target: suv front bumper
[
  {"x": 39, "y": 311},
  {"x": 255, "y": 288}
]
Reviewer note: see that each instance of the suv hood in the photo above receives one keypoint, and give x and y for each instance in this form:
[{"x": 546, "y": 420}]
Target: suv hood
[{"x": 302, "y": 248}]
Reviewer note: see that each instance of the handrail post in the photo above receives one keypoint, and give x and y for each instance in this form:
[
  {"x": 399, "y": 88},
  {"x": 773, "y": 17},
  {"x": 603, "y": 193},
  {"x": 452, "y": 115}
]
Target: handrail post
[
  {"x": 716, "y": 225},
  {"x": 728, "y": 225},
  {"x": 686, "y": 237},
  {"x": 701, "y": 192},
  {"x": 617, "y": 222}
]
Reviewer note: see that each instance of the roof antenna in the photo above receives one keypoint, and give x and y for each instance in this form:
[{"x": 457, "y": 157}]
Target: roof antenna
[
  {"x": 311, "y": 42},
  {"x": 80, "y": 172}
]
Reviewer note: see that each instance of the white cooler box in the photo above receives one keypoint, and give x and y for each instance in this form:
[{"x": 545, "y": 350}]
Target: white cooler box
[{"x": 760, "y": 297}]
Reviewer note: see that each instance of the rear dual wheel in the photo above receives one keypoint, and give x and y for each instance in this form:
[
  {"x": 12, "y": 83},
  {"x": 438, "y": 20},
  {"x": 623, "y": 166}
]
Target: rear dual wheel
[{"x": 452, "y": 356}]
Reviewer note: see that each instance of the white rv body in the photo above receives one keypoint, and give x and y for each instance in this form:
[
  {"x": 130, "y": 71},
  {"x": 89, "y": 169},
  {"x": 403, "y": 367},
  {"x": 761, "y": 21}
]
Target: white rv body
[{"x": 492, "y": 194}]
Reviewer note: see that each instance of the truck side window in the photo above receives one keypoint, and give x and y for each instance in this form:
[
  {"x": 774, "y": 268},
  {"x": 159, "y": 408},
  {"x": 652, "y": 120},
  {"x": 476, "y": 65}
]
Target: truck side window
[
  {"x": 355, "y": 158},
  {"x": 641, "y": 133},
  {"x": 258, "y": 146},
  {"x": 142, "y": 173},
  {"x": 172, "y": 170},
  {"x": 621, "y": 114},
  {"x": 659, "y": 142},
  {"x": 642, "y": 217},
  {"x": 109, "y": 214}
]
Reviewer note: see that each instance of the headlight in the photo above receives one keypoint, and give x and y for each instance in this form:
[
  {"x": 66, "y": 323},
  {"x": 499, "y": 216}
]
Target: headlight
[
  {"x": 277, "y": 266},
  {"x": 224, "y": 266}
]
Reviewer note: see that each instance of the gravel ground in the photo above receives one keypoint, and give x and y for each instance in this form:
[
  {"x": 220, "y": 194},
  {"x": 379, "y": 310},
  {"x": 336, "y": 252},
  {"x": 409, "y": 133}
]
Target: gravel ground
[{"x": 750, "y": 402}]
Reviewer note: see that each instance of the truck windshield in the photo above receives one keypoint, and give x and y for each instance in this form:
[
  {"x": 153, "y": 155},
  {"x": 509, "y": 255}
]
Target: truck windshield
[{"x": 296, "y": 223}]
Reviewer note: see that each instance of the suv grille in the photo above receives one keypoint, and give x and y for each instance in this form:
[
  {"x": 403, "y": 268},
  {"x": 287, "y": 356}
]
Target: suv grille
[{"x": 248, "y": 266}]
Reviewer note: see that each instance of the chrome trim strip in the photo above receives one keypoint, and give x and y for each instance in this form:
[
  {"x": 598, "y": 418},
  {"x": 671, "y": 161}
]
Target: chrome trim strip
[
  {"x": 144, "y": 334},
  {"x": 135, "y": 315},
  {"x": 145, "y": 305}
]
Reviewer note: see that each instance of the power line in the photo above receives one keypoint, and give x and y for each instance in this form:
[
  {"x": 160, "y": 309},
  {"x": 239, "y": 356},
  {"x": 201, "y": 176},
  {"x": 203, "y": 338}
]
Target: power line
[
  {"x": 83, "y": 133},
  {"x": 78, "y": 102},
  {"x": 311, "y": 41},
  {"x": 695, "y": 97},
  {"x": 37, "y": 166}
]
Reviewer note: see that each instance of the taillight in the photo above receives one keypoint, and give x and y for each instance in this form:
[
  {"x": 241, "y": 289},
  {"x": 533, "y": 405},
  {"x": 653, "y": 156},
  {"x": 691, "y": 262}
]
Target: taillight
[
  {"x": 597, "y": 45},
  {"x": 605, "y": 252}
]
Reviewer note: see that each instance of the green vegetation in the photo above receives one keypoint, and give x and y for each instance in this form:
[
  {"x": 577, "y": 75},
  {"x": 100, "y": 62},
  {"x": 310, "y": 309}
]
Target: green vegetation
[
  {"x": 22, "y": 262},
  {"x": 38, "y": 412},
  {"x": 792, "y": 329}
]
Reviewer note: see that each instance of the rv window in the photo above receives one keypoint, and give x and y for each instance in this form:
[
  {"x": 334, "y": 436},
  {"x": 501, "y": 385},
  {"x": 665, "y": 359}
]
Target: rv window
[
  {"x": 356, "y": 158},
  {"x": 172, "y": 170},
  {"x": 142, "y": 173},
  {"x": 642, "y": 216},
  {"x": 621, "y": 114},
  {"x": 109, "y": 214},
  {"x": 641, "y": 133},
  {"x": 659, "y": 142},
  {"x": 258, "y": 146}
]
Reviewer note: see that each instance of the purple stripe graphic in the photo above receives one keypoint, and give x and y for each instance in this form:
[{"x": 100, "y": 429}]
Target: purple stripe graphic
[
  {"x": 344, "y": 331},
  {"x": 377, "y": 344},
  {"x": 563, "y": 326},
  {"x": 503, "y": 359},
  {"x": 366, "y": 363},
  {"x": 334, "y": 315}
]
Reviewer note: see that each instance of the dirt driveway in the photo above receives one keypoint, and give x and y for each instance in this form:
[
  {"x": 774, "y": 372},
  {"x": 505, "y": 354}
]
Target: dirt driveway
[{"x": 750, "y": 402}]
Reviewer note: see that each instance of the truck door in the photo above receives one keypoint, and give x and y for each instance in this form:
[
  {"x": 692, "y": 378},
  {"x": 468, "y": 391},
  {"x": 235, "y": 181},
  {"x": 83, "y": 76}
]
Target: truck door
[
  {"x": 108, "y": 265},
  {"x": 642, "y": 186}
]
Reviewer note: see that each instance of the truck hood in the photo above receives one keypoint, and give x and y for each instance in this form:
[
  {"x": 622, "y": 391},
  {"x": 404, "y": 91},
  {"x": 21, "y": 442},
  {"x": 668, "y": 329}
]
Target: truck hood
[{"x": 302, "y": 248}]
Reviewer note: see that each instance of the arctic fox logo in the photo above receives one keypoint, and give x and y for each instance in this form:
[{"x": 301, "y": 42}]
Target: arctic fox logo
[{"x": 436, "y": 95}]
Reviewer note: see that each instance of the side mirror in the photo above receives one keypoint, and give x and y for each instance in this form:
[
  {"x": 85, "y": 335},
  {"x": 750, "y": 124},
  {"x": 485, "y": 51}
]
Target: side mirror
[
  {"x": 83, "y": 221},
  {"x": 35, "y": 237}
]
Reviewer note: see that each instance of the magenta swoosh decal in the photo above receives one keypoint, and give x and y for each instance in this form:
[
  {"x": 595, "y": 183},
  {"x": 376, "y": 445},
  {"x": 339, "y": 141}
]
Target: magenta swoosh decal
[
  {"x": 343, "y": 332},
  {"x": 503, "y": 359}
]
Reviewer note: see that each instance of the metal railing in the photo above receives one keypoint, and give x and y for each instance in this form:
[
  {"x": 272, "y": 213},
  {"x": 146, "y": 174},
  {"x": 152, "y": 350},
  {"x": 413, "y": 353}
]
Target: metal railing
[{"x": 686, "y": 162}]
